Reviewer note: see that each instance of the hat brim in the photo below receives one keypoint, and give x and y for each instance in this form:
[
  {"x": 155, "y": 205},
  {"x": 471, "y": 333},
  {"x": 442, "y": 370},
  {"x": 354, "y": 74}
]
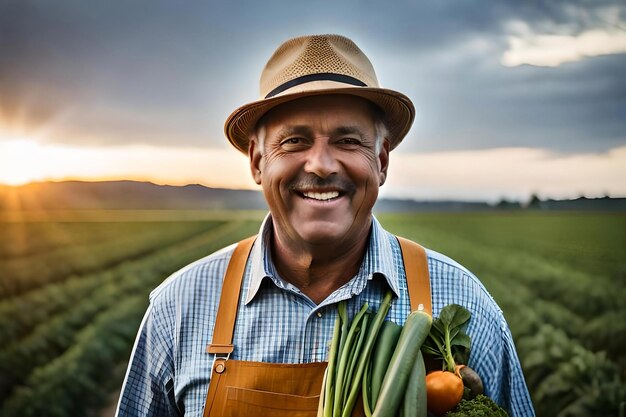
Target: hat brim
[{"x": 398, "y": 109}]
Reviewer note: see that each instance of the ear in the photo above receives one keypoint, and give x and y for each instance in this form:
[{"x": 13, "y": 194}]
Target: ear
[
  {"x": 255, "y": 156},
  {"x": 383, "y": 160}
]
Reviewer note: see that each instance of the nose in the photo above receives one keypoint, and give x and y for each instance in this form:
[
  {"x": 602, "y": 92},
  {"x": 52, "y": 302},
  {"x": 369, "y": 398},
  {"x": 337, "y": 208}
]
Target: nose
[{"x": 320, "y": 159}]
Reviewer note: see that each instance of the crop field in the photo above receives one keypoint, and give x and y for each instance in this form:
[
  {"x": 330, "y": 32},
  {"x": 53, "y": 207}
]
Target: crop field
[{"x": 74, "y": 286}]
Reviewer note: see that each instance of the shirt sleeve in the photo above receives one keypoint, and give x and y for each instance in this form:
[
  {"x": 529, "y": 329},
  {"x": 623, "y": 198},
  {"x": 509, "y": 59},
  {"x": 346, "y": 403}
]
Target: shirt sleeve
[
  {"x": 514, "y": 393},
  {"x": 148, "y": 386},
  {"x": 494, "y": 358},
  {"x": 493, "y": 355}
]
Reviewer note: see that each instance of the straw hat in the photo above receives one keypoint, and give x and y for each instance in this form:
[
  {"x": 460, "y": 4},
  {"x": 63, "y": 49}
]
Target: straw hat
[{"x": 315, "y": 65}]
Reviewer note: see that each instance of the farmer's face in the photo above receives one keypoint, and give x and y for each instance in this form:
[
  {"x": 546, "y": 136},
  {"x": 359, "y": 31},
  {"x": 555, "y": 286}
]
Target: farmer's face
[{"x": 320, "y": 169}]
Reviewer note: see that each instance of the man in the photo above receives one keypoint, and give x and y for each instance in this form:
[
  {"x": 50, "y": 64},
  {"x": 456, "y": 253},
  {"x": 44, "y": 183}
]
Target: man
[{"x": 318, "y": 143}]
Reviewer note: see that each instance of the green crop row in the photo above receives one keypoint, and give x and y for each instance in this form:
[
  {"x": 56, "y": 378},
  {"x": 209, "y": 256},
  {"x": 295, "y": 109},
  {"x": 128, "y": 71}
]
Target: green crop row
[
  {"x": 26, "y": 273},
  {"x": 552, "y": 291},
  {"x": 24, "y": 359},
  {"x": 592, "y": 243},
  {"x": 20, "y": 315},
  {"x": 79, "y": 380},
  {"x": 21, "y": 239},
  {"x": 566, "y": 378}
]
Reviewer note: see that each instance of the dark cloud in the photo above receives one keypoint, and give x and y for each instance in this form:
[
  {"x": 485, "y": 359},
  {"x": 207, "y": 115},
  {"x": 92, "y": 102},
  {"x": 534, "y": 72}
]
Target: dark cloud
[
  {"x": 169, "y": 72},
  {"x": 573, "y": 108}
]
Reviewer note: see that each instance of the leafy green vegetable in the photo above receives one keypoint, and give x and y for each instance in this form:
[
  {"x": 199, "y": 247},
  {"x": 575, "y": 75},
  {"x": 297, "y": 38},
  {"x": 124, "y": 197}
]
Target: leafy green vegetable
[
  {"x": 447, "y": 337},
  {"x": 481, "y": 406},
  {"x": 381, "y": 356},
  {"x": 350, "y": 351},
  {"x": 346, "y": 351}
]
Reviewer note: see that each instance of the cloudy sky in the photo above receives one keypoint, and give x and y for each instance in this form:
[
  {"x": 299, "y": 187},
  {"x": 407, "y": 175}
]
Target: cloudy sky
[{"x": 512, "y": 97}]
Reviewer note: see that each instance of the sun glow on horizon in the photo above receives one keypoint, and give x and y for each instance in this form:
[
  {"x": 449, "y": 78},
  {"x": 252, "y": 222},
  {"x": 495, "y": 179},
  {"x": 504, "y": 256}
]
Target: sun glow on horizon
[
  {"x": 25, "y": 160},
  {"x": 505, "y": 172},
  {"x": 21, "y": 161}
]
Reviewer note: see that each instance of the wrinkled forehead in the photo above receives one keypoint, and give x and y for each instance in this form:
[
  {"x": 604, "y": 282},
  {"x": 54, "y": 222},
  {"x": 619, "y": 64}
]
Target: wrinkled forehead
[{"x": 323, "y": 108}]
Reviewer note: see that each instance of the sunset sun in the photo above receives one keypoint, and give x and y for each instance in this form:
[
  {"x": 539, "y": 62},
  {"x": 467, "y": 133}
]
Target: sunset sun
[{"x": 22, "y": 160}]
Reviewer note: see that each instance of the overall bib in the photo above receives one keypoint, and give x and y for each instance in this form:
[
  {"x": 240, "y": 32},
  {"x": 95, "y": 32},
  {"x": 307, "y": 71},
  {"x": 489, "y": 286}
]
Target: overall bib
[{"x": 256, "y": 389}]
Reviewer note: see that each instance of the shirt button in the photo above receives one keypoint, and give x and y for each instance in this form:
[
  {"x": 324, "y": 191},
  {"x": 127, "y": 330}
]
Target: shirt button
[{"x": 319, "y": 314}]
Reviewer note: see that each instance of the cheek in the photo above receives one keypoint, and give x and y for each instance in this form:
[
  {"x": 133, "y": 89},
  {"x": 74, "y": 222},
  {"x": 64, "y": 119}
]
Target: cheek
[
  {"x": 366, "y": 176},
  {"x": 275, "y": 181},
  {"x": 366, "y": 168},
  {"x": 271, "y": 186}
]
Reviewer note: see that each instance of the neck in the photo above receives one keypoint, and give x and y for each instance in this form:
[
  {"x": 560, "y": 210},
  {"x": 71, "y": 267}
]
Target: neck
[{"x": 318, "y": 269}]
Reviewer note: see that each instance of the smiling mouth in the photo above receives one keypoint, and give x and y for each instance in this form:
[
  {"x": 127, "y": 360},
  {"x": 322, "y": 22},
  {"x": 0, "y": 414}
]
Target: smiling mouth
[{"x": 325, "y": 196}]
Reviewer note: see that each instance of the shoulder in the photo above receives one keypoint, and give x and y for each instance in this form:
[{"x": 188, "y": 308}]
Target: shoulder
[
  {"x": 452, "y": 282},
  {"x": 493, "y": 352}
]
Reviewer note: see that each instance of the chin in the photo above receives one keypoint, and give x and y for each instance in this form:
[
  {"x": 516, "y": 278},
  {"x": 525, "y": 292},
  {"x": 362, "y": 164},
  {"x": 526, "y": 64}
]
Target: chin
[{"x": 321, "y": 232}]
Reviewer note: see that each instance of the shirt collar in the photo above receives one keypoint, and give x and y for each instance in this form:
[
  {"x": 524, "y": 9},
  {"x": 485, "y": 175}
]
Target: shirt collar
[{"x": 378, "y": 260}]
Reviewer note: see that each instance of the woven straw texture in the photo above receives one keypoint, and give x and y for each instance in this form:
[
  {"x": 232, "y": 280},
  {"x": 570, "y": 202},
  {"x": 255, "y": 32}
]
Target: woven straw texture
[{"x": 315, "y": 55}]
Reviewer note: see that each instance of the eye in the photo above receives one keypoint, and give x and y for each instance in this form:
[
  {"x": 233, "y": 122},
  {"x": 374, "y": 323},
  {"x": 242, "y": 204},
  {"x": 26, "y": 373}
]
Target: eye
[
  {"x": 291, "y": 141},
  {"x": 350, "y": 141}
]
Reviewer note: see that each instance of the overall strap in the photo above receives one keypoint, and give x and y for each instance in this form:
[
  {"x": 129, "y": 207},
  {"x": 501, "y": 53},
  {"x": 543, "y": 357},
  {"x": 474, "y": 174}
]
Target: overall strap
[
  {"x": 222, "y": 342},
  {"x": 417, "y": 276},
  {"x": 415, "y": 265}
]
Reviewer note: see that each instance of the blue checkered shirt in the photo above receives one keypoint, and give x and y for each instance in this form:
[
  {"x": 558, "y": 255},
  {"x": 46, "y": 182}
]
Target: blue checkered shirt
[{"x": 169, "y": 370}]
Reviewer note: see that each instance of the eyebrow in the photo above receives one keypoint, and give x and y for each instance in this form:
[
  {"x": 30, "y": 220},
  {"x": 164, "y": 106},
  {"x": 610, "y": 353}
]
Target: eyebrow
[
  {"x": 289, "y": 130},
  {"x": 349, "y": 130},
  {"x": 306, "y": 131}
]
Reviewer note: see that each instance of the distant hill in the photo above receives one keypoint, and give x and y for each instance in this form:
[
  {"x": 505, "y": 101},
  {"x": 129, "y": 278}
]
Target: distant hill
[
  {"x": 145, "y": 195},
  {"x": 126, "y": 195}
]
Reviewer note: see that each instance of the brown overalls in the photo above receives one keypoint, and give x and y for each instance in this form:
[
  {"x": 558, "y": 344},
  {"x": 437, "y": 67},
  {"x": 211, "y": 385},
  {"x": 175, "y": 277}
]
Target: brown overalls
[{"x": 255, "y": 389}]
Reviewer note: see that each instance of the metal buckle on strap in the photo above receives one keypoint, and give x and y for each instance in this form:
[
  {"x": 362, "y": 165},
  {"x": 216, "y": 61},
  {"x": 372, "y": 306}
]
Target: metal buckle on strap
[
  {"x": 225, "y": 356},
  {"x": 219, "y": 365}
]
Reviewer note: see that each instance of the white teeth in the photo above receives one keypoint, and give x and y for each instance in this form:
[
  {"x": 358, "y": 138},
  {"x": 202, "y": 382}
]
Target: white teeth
[{"x": 322, "y": 196}]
